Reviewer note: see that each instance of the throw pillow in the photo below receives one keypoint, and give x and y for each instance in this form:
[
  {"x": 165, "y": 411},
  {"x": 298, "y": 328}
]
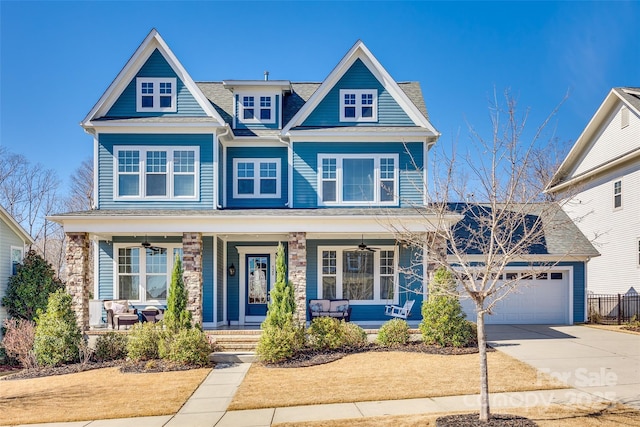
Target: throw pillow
[
  {"x": 316, "y": 307},
  {"x": 343, "y": 308},
  {"x": 117, "y": 308}
]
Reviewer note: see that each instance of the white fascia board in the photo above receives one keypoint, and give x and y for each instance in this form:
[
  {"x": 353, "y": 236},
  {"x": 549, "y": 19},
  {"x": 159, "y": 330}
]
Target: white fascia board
[
  {"x": 529, "y": 258},
  {"x": 255, "y": 143},
  {"x": 569, "y": 163},
  {"x": 284, "y": 85},
  {"x": 371, "y": 136},
  {"x": 243, "y": 224},
  {"x": 141, "y": 55},
  {"x": 157, "y": 128},
  {"x": 360, "y": 51}
]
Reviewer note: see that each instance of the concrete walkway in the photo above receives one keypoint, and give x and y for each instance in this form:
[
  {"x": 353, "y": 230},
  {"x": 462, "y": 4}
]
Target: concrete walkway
[{"x": 595, "y": 364}]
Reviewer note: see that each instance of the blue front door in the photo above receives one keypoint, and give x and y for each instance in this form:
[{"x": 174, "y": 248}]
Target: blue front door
[{"x": 257, "y": 284}]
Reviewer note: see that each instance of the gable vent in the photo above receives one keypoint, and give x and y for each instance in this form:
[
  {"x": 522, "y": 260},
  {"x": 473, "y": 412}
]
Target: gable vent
[{"x": 624, "y": 117}]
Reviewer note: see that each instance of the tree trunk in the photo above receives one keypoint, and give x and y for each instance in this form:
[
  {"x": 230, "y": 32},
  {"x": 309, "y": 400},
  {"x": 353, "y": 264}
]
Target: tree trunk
[{"x": 484, "y": 375}]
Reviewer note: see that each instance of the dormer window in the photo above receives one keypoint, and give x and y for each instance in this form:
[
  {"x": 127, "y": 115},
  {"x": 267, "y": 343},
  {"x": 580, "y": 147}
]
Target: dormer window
[
  {"x": 256, "y": 108},
  {"x": 358, "y": 105},
  {"x": 156, "y": 94}
]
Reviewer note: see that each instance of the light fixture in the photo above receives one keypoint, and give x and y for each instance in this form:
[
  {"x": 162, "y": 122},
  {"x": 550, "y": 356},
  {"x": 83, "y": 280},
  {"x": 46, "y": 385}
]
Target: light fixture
[{"x": 232, "y": 270}]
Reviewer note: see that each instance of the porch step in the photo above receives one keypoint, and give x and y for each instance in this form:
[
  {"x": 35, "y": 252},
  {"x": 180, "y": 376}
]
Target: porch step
[{"x": 235, "y": 341}]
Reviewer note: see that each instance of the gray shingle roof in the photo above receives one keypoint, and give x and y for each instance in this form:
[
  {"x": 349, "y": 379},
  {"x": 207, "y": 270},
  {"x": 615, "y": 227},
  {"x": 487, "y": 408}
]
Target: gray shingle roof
[{"x": 630, "y": 94}]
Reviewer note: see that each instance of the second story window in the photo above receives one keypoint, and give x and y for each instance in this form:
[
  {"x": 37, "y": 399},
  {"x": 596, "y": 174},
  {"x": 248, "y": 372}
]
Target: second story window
[
  {"x": 256, "y": 178},
  {"x": 17, "y": 254},
  {"x": 256, "y": 109},
  {"x": 155, "y": 94},
  {"x": 358, "y": 105},
  {"x": 617, "y": 194},
  {"x": 156, "y": 173},
  {"x": 357, "y": 179}
]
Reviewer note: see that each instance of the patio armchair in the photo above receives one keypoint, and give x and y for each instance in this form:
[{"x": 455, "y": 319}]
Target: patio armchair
[{"x": 119, "y": 313}]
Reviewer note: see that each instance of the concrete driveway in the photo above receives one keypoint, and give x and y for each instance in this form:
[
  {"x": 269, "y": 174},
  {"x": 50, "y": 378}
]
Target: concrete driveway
[{"x": 597, "y": 363}]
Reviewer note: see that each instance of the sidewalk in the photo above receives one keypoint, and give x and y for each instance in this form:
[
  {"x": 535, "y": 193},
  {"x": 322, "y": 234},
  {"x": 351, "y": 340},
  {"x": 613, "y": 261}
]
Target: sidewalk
[{"x": 207, "y": 407}]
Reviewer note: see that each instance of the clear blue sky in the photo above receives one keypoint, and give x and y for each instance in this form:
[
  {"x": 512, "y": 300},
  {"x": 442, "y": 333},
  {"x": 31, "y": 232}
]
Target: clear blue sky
[{"x": 57, "y": 58}]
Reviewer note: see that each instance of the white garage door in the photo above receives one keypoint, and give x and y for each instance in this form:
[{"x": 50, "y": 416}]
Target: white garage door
[{"x": 541, "y": 299}]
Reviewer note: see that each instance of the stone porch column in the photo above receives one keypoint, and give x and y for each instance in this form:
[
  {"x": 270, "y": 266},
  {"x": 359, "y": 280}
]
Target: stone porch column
[
  {"x": 77, "y": 257},
  {"x": 192, "y": 274},
  {"x": 297, "y": 263}
]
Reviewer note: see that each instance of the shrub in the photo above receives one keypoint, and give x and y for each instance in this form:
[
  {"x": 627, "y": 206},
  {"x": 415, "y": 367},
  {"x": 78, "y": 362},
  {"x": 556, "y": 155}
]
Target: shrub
[
  {"x": 143, "y": 340},
  {"x": 393, "y": 333},
  {"x": 278, "y": 344},
  {"x": 18, "y": 341},
  {"x": 443, "y": 321},
  {"x": 29, "y": 289},
  {"x": 282, "y": 305},
  {"x": 176, "y": 316},
  {"x": 325, "y": 333},
  {"x": 353, "y": 335},
  {"x": 112, "y": 346},
  {"x": 57, "y": 336},
  {"x": 188, "y": 346}
]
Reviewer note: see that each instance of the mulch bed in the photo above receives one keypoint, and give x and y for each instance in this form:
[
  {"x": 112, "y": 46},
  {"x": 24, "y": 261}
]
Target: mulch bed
[
  {"x": 632, "y": 328},
  {"x": 125, "y": 366},
  {"x": 472, "y": 420},
  {"x": 309, "y": 357}
]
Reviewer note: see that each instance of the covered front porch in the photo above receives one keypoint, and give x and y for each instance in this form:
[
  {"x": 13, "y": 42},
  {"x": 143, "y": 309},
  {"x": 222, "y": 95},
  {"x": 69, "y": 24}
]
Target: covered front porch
[{"x": 229, "y": 265}]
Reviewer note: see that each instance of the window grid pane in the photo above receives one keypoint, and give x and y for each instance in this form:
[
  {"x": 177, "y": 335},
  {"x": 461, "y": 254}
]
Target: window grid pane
[
  {"x": 184, "y": 161},
  {"x": 128, "y": 161},
  {"x": 268, "y": 170},
  {"x": 157, "y": 161}
]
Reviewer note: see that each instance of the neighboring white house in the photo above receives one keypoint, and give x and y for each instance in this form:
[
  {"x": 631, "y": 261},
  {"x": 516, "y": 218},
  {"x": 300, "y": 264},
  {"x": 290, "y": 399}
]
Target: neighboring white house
[
  {"x": 13, "y": 243},
  {"x": 601, "y": 174}
]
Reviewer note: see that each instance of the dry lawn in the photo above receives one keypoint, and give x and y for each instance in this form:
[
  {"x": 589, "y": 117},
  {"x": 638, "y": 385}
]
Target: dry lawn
[
  {"x": 96, "y": 394},
  {"x": 384, "y": 376},
  {"x": 553, "y": 416},
  {"x": 616, "y": 328}
]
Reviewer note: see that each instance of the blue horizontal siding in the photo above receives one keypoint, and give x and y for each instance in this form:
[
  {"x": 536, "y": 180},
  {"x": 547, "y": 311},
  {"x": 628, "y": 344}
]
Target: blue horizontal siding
[
  {"x": 106, "y": 286},
  {"x": 327, "y": 113},
  {"x": 305, "y": 168},
  {"x": 106, "y": 166},
  {"x": 261, "y": 153},
  {"x": 156, "y": 66},
  {"x": 409, "y": 288}
]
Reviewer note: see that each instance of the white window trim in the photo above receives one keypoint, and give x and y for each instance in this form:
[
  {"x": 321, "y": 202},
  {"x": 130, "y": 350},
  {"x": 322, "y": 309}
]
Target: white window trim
[
  {"x": 613, "y": 200},
  {"x": 156, "y": 94},
  {"x": 376, "y": 185},
  {"x": 256, "y": 178},
  {"x": 376, "y": 277},
  {"x": 15, "y": 248},
  {"x": 142, "y": 151},
  {"x": 142, "y": 285},
  {"x": 256, "y": 108},
  {"x": 358, "y": 105}
]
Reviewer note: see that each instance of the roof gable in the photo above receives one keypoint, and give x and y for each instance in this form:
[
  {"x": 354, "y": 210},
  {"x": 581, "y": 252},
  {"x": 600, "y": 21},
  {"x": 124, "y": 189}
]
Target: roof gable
[
  {"x": 603, "y": 144},
  {"x": 153, "y": 58},
  {"x": 15, "y": 226},
  {"x": 346, "y": 71}
]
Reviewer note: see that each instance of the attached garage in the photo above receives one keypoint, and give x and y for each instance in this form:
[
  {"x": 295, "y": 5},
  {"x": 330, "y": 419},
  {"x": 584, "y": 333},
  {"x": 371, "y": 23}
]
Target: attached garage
[{"x": 543, "y": 298}]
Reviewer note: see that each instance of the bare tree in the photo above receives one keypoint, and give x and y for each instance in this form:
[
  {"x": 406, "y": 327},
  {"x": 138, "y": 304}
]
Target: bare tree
[
  {"x": 81, "y": 189},
  {"x": 500, "y": 218}
]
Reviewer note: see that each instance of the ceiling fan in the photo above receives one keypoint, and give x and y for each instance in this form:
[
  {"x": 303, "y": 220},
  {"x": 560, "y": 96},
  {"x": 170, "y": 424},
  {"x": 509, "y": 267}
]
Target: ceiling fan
[
  {"x": 148, "y": 245},
  {"x": 363, "y": 247}
]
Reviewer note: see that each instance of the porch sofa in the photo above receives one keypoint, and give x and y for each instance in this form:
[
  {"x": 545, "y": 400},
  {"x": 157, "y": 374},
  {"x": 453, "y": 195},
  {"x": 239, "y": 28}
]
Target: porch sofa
[
  {"x": 120, "y": 313},
  {"x": 336, "y": 308}
]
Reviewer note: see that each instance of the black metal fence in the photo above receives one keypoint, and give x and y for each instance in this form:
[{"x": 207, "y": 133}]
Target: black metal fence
[{"x": 613, "y": 309}]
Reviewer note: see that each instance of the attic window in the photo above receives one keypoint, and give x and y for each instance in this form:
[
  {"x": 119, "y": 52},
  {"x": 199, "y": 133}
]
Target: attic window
[
  {"x": 155, "y": 94},
  {"x": 254, "y": 108},
  {"x": 624, "y": 117},
  {"x": 358, "y": 105}
]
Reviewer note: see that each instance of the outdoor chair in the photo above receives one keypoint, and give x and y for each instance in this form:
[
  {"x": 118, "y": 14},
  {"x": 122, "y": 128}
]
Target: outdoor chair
[
  {"x": 119, "y": 313},
  {"x": 398, "y": 311}
]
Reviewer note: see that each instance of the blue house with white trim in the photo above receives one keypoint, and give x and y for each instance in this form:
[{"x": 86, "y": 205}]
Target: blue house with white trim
[{"x": 219, "y": 173}]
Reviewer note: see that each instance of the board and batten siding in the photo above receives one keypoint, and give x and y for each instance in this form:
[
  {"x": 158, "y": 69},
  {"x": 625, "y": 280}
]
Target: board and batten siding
[
  {"x": 106, "y": 169},
  {"x": 156, "y": 66},
  {"x": 408, "y": 287},
  {"x": 327, "y": 113},
  {"x": 257, "y": 153},
  {"x": 8, "y": 238},
  {"x": 611, "y": 141},
  {"x": 305, "y": 168},
  {"x": 208, "y": 279},
  {"x": 219, "y": 289},
  {"x": 614, "y": 232}
]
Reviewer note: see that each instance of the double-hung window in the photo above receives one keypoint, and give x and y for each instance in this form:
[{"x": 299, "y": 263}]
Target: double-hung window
[
  {"x": 256, "y": 108},
  {"x": 358, "y": 179},
  {"x": 617, "y": 194},
  {"x": 156, "y": 94},
  {"x": 144, "y": 274},
  {"x": 256, "y": 178},
  {"x": 358, "y": 105},
  {"x": 360, "y": 276},
  {"x": 17, "y": 255},
  {"x": 156, "y": 172}
]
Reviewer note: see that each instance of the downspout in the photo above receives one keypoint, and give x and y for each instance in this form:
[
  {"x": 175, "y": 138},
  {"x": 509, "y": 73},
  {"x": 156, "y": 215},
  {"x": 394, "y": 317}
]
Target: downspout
[
  {"x": 227, "y": 129},
  {"x": 289, "y": 170}
]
